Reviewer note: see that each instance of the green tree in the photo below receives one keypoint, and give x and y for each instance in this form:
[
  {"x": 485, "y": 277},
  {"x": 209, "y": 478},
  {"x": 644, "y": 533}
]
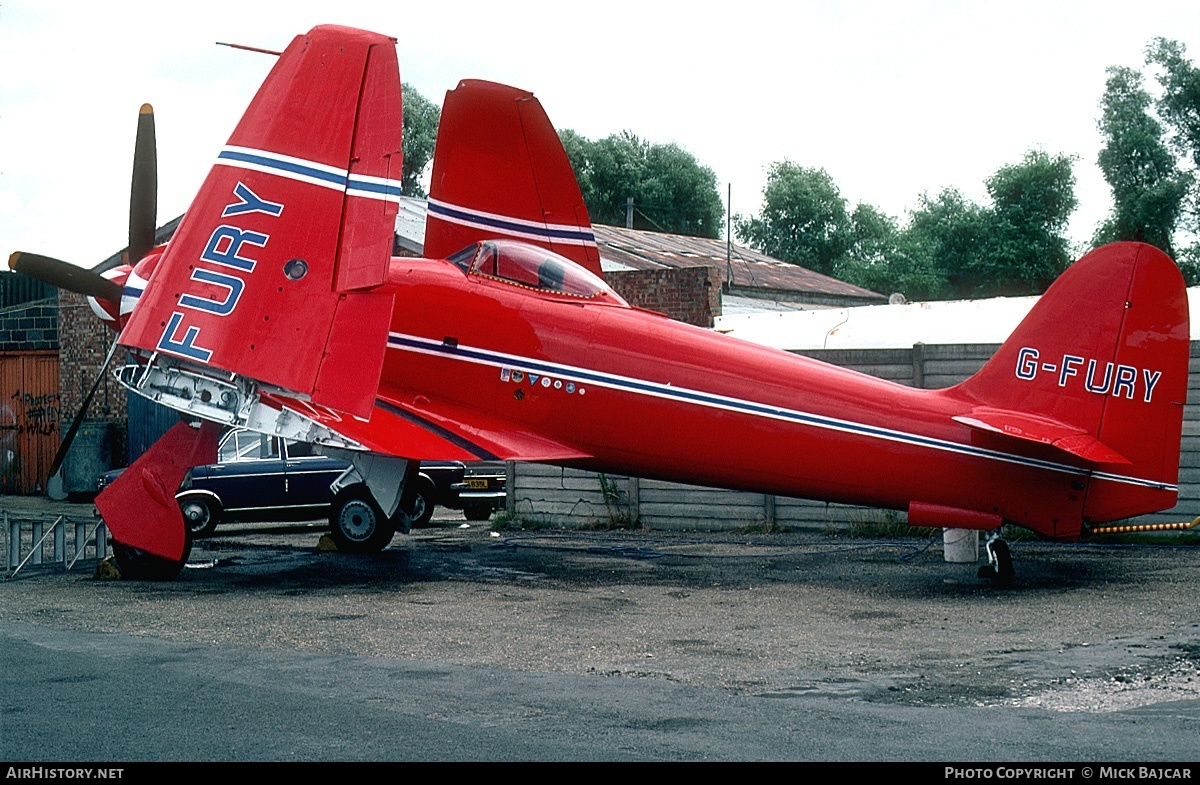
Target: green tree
[
  {"x": 1025, "y": 248},
  {"x": 1179, "y": 105},
  {"x": 803, "y": 219},
  {"x": 1014, "y": 246},
  {"x": 1147, "y": 184},
  {"x": 1179, "y": 108},
  {"x": 884, "y": 259},
  {"x": 948, "y": 232},
  {"x": 421, "y": 117},
  {"x": 950, "y": 246},
  {"x": 671, "y": 190}
]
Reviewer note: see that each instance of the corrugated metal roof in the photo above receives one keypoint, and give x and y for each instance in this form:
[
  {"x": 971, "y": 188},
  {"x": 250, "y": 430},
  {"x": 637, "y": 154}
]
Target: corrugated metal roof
[
  {"x": 641, "y": 250},
  {"x": 16, "y": 289},
  {"x": 634, "y": 249}
]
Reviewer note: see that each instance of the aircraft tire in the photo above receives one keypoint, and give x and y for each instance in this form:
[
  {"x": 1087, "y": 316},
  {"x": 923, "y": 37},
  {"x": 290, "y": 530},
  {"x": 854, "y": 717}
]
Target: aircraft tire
[
  {"x": 1004, "y": 563},
  {"x": 357, "y": 525},
  {"x": 137, "y": 565},
  {"x": 1001, "y": 573}
]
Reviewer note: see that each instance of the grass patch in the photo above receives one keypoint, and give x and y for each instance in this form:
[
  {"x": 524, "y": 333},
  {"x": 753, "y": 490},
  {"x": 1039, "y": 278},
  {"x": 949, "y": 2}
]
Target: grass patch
[
  {"x": 888, "y": 530},
  {"x": 763, "y": 528},
  {"x": 503, "y": 521}
]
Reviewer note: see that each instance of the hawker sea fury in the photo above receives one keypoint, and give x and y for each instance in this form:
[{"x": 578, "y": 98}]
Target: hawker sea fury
[{"x": 277, "y": 307}]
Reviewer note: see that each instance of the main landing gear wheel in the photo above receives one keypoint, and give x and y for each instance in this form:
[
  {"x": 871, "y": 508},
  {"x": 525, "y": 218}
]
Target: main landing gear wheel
[
  {"x": 137, "y": 565},
  {"x": 999, "y": 568},
  {"x": 357, "y": 525}
]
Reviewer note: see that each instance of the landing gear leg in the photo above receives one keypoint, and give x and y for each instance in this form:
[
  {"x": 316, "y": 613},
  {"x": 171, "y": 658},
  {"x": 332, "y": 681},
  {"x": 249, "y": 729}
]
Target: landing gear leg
[{"x": 999, "y": 568}]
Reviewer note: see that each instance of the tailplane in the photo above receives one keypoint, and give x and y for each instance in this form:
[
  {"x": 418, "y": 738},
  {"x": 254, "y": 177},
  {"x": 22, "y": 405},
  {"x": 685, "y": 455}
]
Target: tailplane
[{"x": 1098, "y": 373}]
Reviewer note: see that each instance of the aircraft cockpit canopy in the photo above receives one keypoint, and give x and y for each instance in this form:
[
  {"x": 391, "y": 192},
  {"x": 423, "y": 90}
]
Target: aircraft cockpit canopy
[{"x": 532, "y": 267}]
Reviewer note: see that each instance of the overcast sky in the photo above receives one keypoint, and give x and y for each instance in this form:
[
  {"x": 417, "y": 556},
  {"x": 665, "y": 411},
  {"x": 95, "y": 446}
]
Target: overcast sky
[{"x": 893, "y": 99}]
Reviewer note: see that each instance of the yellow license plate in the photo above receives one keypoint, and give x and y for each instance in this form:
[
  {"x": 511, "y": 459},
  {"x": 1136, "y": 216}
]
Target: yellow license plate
[{"x": 478, "y": 484}]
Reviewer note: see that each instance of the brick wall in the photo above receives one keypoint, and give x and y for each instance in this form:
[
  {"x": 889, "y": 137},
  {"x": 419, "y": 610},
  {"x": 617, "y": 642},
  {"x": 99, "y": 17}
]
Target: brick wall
[
  {"x": 84, "y": 341},
  {"x": 30, "y": 326},
  {"x": 688, "y": 294}
]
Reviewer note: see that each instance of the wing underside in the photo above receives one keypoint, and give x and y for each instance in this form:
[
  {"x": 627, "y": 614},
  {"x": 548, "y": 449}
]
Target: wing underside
[{"x": 435, "y": 431}]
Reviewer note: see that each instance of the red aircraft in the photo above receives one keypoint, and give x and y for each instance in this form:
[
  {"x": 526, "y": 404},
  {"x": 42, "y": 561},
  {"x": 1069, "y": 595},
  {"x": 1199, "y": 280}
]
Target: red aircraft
[{"x": 278, "y": 307}]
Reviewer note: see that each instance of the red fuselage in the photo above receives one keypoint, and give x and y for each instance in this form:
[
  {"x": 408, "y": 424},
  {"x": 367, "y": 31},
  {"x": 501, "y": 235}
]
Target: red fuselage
[{"x": 637, "y": 393}]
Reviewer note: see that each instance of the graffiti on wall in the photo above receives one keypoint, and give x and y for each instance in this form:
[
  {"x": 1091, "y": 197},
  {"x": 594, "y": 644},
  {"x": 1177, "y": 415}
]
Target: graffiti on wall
[{"x": 24, "y": 416}]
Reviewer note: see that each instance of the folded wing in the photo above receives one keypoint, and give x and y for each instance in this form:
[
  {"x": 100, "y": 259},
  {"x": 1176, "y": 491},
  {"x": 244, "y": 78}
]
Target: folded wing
[
  {"x": 500, "y": 171},
  {"x": 271, "y": 273}
]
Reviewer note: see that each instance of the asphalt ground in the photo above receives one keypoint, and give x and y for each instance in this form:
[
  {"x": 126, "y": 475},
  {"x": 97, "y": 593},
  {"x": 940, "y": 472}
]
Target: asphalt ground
[{"x": 885, "y": 650}]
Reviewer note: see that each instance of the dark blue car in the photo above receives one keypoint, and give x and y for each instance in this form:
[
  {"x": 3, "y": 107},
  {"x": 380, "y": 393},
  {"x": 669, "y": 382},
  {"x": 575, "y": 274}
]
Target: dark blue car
[{"x": 260, "y": 477}]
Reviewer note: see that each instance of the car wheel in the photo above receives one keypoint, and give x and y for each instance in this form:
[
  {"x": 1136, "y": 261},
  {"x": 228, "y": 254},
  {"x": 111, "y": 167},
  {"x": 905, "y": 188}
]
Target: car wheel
[
  {"x": 478, "y": 512},
  {"x": 423, "y": 503},
  {"x": 200, "y": 515},
  {"x": 137, "y": 565},
  {"x": 358, "y": 525}
]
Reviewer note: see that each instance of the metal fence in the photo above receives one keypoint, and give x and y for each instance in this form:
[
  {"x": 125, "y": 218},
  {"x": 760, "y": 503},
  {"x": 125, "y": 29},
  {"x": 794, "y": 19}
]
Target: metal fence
[{"x": 59, "y": 541}]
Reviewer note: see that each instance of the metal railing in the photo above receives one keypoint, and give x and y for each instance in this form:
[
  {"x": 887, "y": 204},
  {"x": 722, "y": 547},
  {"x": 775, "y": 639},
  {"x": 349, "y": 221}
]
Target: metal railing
[{"x": 45, "y": 541}]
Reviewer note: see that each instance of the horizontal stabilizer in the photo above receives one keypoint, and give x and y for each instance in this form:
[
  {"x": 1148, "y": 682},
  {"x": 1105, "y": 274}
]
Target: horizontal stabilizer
[{"x": 1017, "y": 425}]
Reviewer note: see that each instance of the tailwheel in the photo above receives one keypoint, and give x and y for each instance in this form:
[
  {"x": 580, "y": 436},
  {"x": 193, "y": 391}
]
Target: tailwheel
[
  {"x": 138, "y": 565},
  {"x": 999, "y": 568}
]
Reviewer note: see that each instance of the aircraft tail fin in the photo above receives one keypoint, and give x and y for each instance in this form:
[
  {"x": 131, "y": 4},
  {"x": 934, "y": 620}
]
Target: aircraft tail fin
[
  {"x": 500, "y": 171},
  {"x": 1098, "y": 373}
]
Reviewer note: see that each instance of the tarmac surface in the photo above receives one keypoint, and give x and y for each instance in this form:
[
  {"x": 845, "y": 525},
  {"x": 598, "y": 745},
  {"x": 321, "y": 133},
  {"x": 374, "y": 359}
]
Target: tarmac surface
[{"x": 617, "y": 645}]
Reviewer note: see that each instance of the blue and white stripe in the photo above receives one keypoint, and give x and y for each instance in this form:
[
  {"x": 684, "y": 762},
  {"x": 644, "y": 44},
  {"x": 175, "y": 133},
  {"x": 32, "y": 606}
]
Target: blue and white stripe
[
  {"x": 311, "y": 172},
  {"x": 135, "y": 287},
  {"x": 419, "y": 345},
  {"x": 493, "y": 223}
]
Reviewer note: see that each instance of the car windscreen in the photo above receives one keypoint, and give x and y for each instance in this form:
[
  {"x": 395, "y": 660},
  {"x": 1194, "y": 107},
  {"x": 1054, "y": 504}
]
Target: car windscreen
[{"x": 247, "y": 446}]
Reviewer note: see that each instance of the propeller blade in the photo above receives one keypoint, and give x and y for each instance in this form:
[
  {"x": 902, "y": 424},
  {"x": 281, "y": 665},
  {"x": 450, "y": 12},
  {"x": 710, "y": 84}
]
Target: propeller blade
[
  {"x": 64, "y": 275},
  {"x": 63, "y": 448},
  {"x": 143, "y": 192}
]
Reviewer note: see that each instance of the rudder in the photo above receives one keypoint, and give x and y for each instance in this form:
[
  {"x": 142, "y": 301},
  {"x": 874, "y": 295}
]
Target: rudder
[{"x": 1099, "y": 371}]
